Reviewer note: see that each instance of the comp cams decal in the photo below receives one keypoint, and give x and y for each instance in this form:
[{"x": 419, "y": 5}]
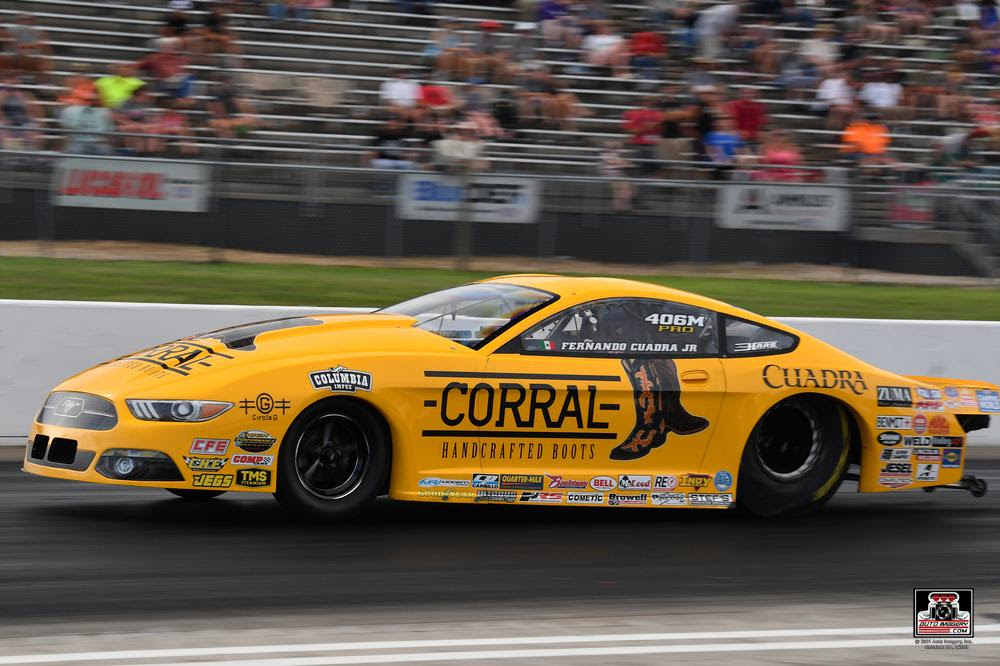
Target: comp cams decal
[{"x": 341, "y": 380}]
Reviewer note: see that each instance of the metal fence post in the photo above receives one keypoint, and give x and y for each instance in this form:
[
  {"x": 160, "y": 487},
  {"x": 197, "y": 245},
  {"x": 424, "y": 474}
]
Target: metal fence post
[
  {"x": 45, "y": 211},
  {"x": 394, "y": 226},
  {"x": 463, "y": 223}
]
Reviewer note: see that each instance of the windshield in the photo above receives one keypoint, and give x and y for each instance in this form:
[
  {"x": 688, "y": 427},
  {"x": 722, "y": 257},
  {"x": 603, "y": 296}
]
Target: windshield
[{"x": 472, "y": 313}]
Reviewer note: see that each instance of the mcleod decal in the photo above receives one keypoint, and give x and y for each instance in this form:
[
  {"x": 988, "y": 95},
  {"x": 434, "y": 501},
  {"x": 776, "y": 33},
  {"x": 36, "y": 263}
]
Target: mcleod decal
[
  {"x": 342, "y": 380},
  {"x": 776, "y": 377}
]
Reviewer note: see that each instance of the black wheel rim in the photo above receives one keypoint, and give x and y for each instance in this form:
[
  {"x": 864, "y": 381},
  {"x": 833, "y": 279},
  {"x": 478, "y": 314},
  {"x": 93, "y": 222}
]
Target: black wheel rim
[
  {"x": 788, "y": 443},
  {"x": 331, "y": 456}
]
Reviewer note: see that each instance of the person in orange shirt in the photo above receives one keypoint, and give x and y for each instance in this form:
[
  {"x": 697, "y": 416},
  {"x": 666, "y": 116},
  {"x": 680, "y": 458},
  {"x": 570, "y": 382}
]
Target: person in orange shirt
[
  {"x": 866, "y": 140},
  {"x": 79, "y": 86}
]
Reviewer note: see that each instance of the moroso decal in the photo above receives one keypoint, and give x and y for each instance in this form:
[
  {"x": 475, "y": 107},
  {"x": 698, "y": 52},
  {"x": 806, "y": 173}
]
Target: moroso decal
[
  {"x": 658, "y": 409},
  {"x": 776, "y": 377}
]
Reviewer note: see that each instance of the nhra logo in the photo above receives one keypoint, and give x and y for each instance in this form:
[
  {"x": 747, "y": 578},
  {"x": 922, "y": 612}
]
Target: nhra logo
[
  {"x": 341, "y": 379},
  {"x": 943, "y": 613}
]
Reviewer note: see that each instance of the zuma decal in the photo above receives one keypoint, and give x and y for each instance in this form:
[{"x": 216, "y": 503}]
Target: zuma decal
[
  {"x": 244, "y": 338},
  {"x": 894, "y": 396},
  {"x": 253, "y": 478},
  {"x": 264, "y": 407},
  {"x": 776, "y": 377},
  {"x": 340, "y": 379},
  {"x": 174, "y": 358},
  {"x": 658, "y": 410}
]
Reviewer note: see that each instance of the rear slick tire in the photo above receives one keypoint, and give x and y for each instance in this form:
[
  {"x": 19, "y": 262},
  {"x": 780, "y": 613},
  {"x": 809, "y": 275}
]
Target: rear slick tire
[
  {"x": 334, "y": 461},
  {"x": 795, "y": 458}
]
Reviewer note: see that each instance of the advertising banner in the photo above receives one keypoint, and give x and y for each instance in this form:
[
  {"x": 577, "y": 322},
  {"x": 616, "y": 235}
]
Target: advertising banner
[
  {"x": 431, "y": 196},
  {"x": 794, "y": 207},
  {"x": 95, "y": 182}
]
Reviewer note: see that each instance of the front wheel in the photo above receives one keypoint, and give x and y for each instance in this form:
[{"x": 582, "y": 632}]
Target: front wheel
[
  {"x": 334, "y": 461},
  {"x": 795, "y": 458}
]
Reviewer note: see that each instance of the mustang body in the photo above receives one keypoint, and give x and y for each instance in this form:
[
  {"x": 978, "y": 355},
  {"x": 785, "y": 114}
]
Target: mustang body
[{"x": 527, "y": 389}]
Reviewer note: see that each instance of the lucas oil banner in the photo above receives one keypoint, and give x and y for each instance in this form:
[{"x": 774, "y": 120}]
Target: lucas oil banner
[
  {"x": 94, "y": 182},
  {"x": 428, "y": 196}
]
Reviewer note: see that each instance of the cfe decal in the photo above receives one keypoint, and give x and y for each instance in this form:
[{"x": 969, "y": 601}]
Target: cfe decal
[{"x": 520, "y": 410}]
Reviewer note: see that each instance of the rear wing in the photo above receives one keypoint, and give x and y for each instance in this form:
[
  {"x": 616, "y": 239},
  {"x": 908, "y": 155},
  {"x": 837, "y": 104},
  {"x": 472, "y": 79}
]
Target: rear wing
[{"x": 971, "y": 401}]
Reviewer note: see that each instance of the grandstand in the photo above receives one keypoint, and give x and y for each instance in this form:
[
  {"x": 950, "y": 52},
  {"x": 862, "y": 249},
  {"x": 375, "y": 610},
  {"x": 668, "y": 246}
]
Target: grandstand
[{"x": 317, "y": 82}]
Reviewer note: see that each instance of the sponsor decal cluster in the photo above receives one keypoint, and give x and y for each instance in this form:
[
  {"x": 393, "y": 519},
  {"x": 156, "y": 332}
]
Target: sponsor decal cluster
[
  {"x": 341, "y": 380},
  {"x": 883, "y": 422},
  {"x": 253, "y": 478},
  {"x": 776, "y": 377},
  {"x": 956, "y": 397},
  {"x": 951, "y": 458},
  {"x": 265, "y": 407},
  {"x": 943, "y": 618},
  {"x": 988, "y": 400},
  {"x": 254, "y": 441},
  {"x": 894, "y": 396},
  {"x": 205, "y": 446},
  {"x": 212, "y": 480},
  {"x": 896, "y": 474},
  {"x": 204, "y": 463},
  {"x": 710, "y": 499}
]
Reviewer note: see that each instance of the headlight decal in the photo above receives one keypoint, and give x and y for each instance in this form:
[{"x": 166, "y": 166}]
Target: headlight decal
[{"x": 177, "y": 411}]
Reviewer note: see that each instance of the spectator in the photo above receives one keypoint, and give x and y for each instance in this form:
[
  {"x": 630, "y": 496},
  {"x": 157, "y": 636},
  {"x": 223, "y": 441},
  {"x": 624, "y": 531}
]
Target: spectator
[
  {"x": 389, "y": 147},
  {"x": 713, "y": 26},
  {"x": 606, "y": 49},
  {"x": 643, "y": 127},
  {"x": 437, "y": 101},
  {"x": 173, "y": 123},
  {"x": 835, "y": 99},
  {"x": 169, "y": 68},
  {"x": 749, "y": 116},
  {"x": 675, "y": 111},
  {"x": 566, "y": 108},
  {"x": 866, "y": 141},
  {"x": 614, "y": 165},
  {"x": 231, "y": 114},
  {"x": 820, "y": 51},
  {"x": 762, "y": 48},
  {"x": 477, "y": 108},
  {"x": 447, "y": 53},
  {"x": 401, "y": 96},
  {"x": 724, "y": 147},
  {"x": 487, "y": 60},
  {"x": 216, "y": 37},
  {"x": 79, "y": 85},
  {"x": 536, "y": 98},
  {"x": 136, "y": 116},
  {"x": 559, "y": 27},
  {"x": 955, "y": 150},
  {"x": 701, "y": 79},
  {"x": 20, "y": 117},
  {"x": 288, "y": 10},
  {"x": 88, "y": 123},
  {"x": 883, "y": 93},
  {"x": 647, "y": 50},
  {"x": 30, "y": 47},
  {"x": 461, "y": 151},
  {"x": 115, "y": 89},
  {"x": 778, "y": 149}
]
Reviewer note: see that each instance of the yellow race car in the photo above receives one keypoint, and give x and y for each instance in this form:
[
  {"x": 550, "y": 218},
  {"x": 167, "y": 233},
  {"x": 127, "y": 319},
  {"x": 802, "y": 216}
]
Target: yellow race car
[{"x": 522, "y": 389}]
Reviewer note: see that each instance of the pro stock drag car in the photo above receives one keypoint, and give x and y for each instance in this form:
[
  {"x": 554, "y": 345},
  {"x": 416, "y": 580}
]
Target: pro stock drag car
[{"x": 522, "y": 389}]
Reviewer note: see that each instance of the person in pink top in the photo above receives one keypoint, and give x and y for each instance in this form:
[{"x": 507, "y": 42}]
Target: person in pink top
[{"x": 781, "y": 155}]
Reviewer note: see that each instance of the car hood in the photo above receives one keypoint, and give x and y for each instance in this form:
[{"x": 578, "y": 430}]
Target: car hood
[{"x": 229, "y": 354}]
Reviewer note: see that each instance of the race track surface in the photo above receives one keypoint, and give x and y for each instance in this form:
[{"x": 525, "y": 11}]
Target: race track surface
[{"x": 75, "y": 558}]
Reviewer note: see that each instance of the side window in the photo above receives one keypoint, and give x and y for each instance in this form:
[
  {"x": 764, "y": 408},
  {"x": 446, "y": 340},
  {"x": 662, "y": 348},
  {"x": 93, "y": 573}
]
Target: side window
[
  {"x": 744, "y": 338},
  {"x": 626, "y": 328}
]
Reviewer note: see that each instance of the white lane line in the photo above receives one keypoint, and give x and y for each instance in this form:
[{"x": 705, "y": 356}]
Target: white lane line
[
  {"x": 482, "y": 655},
  {"x": 458, "y": 642},
  {"x": 177, "y": 306}
]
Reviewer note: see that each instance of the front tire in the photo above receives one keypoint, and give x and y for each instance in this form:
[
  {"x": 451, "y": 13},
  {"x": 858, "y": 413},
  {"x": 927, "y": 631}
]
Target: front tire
[
  {"x": 334, "y": 461},
  {"x": 795, "y": 458}
]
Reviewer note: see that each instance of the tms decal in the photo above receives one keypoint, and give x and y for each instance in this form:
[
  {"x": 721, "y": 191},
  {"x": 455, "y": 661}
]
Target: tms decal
[
  {"x": 776, "y": 377},
  {"x": 253, "y": 478},
  {"x": 342, "y": 380}
]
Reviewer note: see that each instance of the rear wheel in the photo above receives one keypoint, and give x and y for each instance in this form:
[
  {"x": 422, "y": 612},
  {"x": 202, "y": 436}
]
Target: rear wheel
[
  {"x": 334, "y": 461},
  {"x": 195, "y": 495},
  {"x": 795, "y": 458}
]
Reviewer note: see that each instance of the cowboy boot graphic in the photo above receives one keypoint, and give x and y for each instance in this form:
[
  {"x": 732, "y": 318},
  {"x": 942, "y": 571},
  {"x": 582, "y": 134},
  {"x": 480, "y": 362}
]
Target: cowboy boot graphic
[{"x": 658, "y": 408}]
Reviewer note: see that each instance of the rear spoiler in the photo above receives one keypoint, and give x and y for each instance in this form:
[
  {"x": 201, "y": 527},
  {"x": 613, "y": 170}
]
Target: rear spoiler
[{"x": 972, "y": 402}]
